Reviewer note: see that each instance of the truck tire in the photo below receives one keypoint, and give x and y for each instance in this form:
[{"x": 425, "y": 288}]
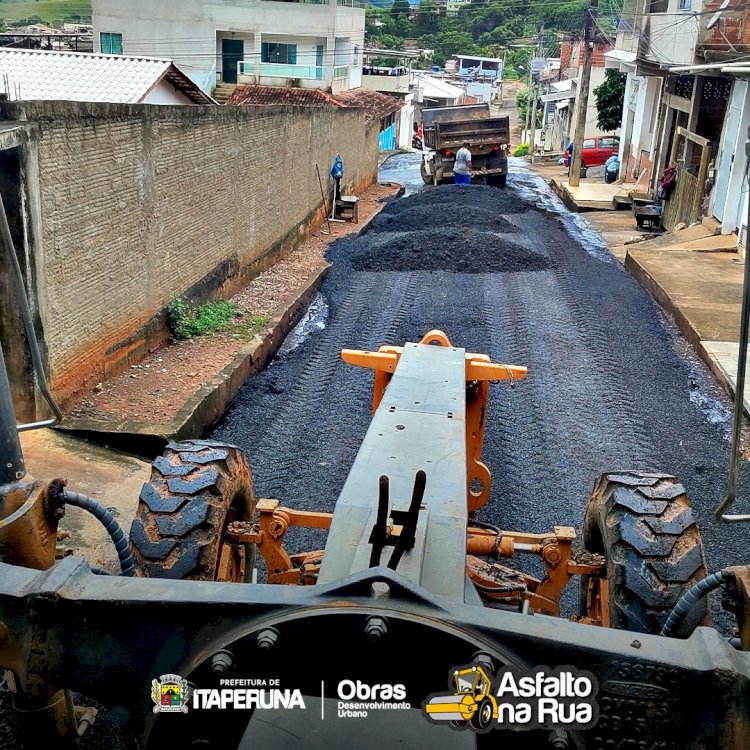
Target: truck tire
[
  {"x": 644, "y": 526},
  {"x": 426, "y": 178},
  {"x": 197, "y": 488}
]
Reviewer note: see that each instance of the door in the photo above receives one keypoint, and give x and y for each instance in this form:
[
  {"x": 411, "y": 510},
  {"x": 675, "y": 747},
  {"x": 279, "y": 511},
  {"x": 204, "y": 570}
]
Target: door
[
  {"x": 319, "y": 61},
  {"x": 232, "y": 51},
  {"x": 725, "y": 162}
]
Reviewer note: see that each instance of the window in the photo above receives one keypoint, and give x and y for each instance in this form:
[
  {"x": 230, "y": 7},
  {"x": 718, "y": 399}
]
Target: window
[
  {"x": 609, "y": 142},
  {"x": 684, "y": 4},
  {"x": 588, "y": 143},
  {"x": 111, "y": 44},
  {"x": 658, "y": 6},
  {"x": 271, "y": 52}
]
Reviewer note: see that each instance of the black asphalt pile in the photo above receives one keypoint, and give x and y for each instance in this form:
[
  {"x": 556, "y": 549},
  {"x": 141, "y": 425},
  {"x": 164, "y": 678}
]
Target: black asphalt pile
[
  {"x": 447, "y": 202},
  {"x": 458, "y": 250},
  {"x": 425, "y": 216}
]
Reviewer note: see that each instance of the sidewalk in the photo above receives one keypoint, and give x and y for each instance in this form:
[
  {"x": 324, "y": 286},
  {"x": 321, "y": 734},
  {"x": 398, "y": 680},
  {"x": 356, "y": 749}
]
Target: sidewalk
[
  {"x": 700, "y": 286},
  {"x": 694, "y": 275}
]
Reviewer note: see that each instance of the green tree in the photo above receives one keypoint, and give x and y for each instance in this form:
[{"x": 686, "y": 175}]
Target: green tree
[
  {"x": 427, "y": 20},
  {"x": 400, "y": 8},
  {"x": 610, "y": 95},
  {"x": 522, "y": 102}
]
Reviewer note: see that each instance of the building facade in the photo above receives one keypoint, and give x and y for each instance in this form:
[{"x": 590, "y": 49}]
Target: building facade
[
  {"x": 560, "y": 79},
  {"x": 683, "y": 106},
  {"x": 309, "y": 45}
]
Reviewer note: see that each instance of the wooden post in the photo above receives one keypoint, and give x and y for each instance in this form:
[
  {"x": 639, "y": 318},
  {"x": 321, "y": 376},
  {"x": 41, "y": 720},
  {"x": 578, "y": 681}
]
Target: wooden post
[{"x": 582, "y": 100}]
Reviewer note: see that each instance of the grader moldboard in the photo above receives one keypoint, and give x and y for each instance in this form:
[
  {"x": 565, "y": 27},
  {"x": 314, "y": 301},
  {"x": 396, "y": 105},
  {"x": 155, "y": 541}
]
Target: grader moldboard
[{"x": 408, "y": 589}]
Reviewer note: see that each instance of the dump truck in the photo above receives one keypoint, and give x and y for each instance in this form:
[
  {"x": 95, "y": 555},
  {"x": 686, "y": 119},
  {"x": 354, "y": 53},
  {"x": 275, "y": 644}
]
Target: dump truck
[
  {"x": 186, "y": 648},
  {"x": 446, "y": 129}
]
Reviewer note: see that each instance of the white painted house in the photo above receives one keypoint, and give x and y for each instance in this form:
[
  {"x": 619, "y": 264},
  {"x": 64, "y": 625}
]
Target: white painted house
[{"x": 306, "y": 44}]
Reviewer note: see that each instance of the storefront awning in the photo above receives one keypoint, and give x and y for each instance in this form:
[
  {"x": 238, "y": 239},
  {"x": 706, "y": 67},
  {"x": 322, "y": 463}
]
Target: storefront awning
[
  {"x": 556, "y": 96},
  {"x": 620, "y": 60}
]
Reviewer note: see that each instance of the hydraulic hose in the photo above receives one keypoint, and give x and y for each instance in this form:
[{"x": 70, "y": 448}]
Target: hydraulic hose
[
  {"x": 690, "y": 598},
  {"x": 110, "y": 524}
]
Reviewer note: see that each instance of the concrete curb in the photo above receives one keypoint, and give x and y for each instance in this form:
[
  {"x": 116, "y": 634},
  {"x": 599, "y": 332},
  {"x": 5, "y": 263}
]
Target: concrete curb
[
  {"x": 564, "y": 196},
  {"x": 683, "y": 323},
  {"x": 209, "y": 403}
]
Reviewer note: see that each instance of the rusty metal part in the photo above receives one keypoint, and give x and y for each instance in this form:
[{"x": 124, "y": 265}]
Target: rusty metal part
[
  {"x": 496, "y": 581},
  {"x": 28, "y": 538},
  {"x": 28, "y": 529},
  {"x": 480, "y": 371},
  {"x": 268, "y": 535},
  {"x": 737, "y": 600},
  {"x": 232, "y": 560},
  {"x": 555, "y": 549}
]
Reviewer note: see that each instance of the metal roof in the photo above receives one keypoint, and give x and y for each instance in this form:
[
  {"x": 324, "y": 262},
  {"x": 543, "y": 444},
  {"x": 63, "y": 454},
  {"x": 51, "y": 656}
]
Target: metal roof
[
  {"x": 81, "y": 76},
  {"x": 477, "y": 57}
]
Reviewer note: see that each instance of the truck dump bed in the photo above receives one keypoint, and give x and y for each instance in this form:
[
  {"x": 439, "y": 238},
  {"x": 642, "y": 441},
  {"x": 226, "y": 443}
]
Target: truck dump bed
[
  {"x": 449, "y": 127},
  {"x": 453, "y": 114}
]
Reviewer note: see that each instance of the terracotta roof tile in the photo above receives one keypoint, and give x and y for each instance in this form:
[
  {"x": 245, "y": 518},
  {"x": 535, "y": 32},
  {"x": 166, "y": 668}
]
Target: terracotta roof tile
[
  {"x": 248, "y": 95},
  {"x": 375, "y": 104}
]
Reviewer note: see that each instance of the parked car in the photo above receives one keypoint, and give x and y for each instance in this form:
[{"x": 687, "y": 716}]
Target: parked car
[{"x": 597, "y": 150}]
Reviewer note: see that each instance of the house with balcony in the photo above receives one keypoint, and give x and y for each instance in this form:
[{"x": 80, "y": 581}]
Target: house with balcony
[
  {"x": 684, "y": 106},
  {"x": 270, "y": 42}
]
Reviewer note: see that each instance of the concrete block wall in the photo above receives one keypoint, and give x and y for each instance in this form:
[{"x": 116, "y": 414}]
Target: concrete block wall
[{"x": 139, "y": 203}]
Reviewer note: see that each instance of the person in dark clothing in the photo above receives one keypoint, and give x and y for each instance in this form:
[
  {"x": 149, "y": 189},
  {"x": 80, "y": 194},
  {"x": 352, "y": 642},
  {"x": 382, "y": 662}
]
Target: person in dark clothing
[{"x": 498, "y": 159}]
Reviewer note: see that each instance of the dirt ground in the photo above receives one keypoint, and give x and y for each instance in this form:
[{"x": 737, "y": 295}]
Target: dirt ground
[{"x": 154, "y": 390}]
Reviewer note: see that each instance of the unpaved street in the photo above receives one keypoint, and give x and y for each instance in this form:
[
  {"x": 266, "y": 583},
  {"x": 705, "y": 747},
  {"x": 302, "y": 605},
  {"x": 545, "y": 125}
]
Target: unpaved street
[{"x": 611, "y": 384}]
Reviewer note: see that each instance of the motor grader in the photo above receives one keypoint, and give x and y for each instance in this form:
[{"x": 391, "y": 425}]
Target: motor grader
[{"x": 410, "y": 586}]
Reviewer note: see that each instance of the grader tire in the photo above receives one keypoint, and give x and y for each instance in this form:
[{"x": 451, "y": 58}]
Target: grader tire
[
  {"x": 197, "y": 487},
  {"x": 644, "y": 526}
]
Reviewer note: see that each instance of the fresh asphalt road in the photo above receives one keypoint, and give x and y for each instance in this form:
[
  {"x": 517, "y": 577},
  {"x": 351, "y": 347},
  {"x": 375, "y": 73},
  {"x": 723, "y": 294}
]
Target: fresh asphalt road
[{"x": 611, "y": 383}]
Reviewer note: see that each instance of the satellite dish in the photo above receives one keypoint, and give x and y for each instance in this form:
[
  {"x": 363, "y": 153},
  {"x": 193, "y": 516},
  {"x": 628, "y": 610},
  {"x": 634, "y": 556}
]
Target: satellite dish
[{"x": 715, "y": 19}]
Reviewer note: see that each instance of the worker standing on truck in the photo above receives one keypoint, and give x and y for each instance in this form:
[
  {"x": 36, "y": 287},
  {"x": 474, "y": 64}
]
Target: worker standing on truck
[{"x": 462, "y": 166}]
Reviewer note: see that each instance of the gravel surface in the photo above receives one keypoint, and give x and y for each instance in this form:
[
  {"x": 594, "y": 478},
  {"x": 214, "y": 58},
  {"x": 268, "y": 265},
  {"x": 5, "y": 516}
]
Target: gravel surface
[{"x": 611, "y": 385}]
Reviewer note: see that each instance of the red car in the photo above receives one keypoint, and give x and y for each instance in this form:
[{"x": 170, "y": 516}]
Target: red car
[{"x": 597, "y": 150}]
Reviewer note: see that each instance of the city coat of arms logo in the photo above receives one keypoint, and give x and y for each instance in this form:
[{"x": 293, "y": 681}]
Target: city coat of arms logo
[{"x": 169, "y": 694}]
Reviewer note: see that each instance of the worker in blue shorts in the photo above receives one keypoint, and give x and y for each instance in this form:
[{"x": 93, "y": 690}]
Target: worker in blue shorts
[{"x": 462, "y": 166}]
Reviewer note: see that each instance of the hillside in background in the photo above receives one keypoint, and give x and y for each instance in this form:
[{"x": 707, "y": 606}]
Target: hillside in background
[
  {"x": 489, "y": 28},
  {"x": 46, "y": 11}
]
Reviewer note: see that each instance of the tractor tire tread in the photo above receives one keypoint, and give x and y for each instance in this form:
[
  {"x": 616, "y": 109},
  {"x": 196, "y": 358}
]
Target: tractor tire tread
[
  {"x": 644, "y": 526},
  {"x": 181, "y": 509}
]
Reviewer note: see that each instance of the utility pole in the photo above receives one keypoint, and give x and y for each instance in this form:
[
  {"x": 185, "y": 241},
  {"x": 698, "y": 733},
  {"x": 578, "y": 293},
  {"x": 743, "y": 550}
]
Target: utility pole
[
  {"x": 582, "y": 100},
  {"x": 532, "y": 137},
  {"x": 528, "y": 100}
]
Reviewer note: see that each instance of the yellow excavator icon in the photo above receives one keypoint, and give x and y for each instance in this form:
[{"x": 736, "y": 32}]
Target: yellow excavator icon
[{"x": 472, "y": 700}]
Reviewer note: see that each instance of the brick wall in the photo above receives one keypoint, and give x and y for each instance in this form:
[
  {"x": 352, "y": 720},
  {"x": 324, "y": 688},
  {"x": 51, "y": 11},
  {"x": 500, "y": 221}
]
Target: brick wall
[
  {"x": 139, "y": 203},
  {"x": 572, "y": 54}
]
